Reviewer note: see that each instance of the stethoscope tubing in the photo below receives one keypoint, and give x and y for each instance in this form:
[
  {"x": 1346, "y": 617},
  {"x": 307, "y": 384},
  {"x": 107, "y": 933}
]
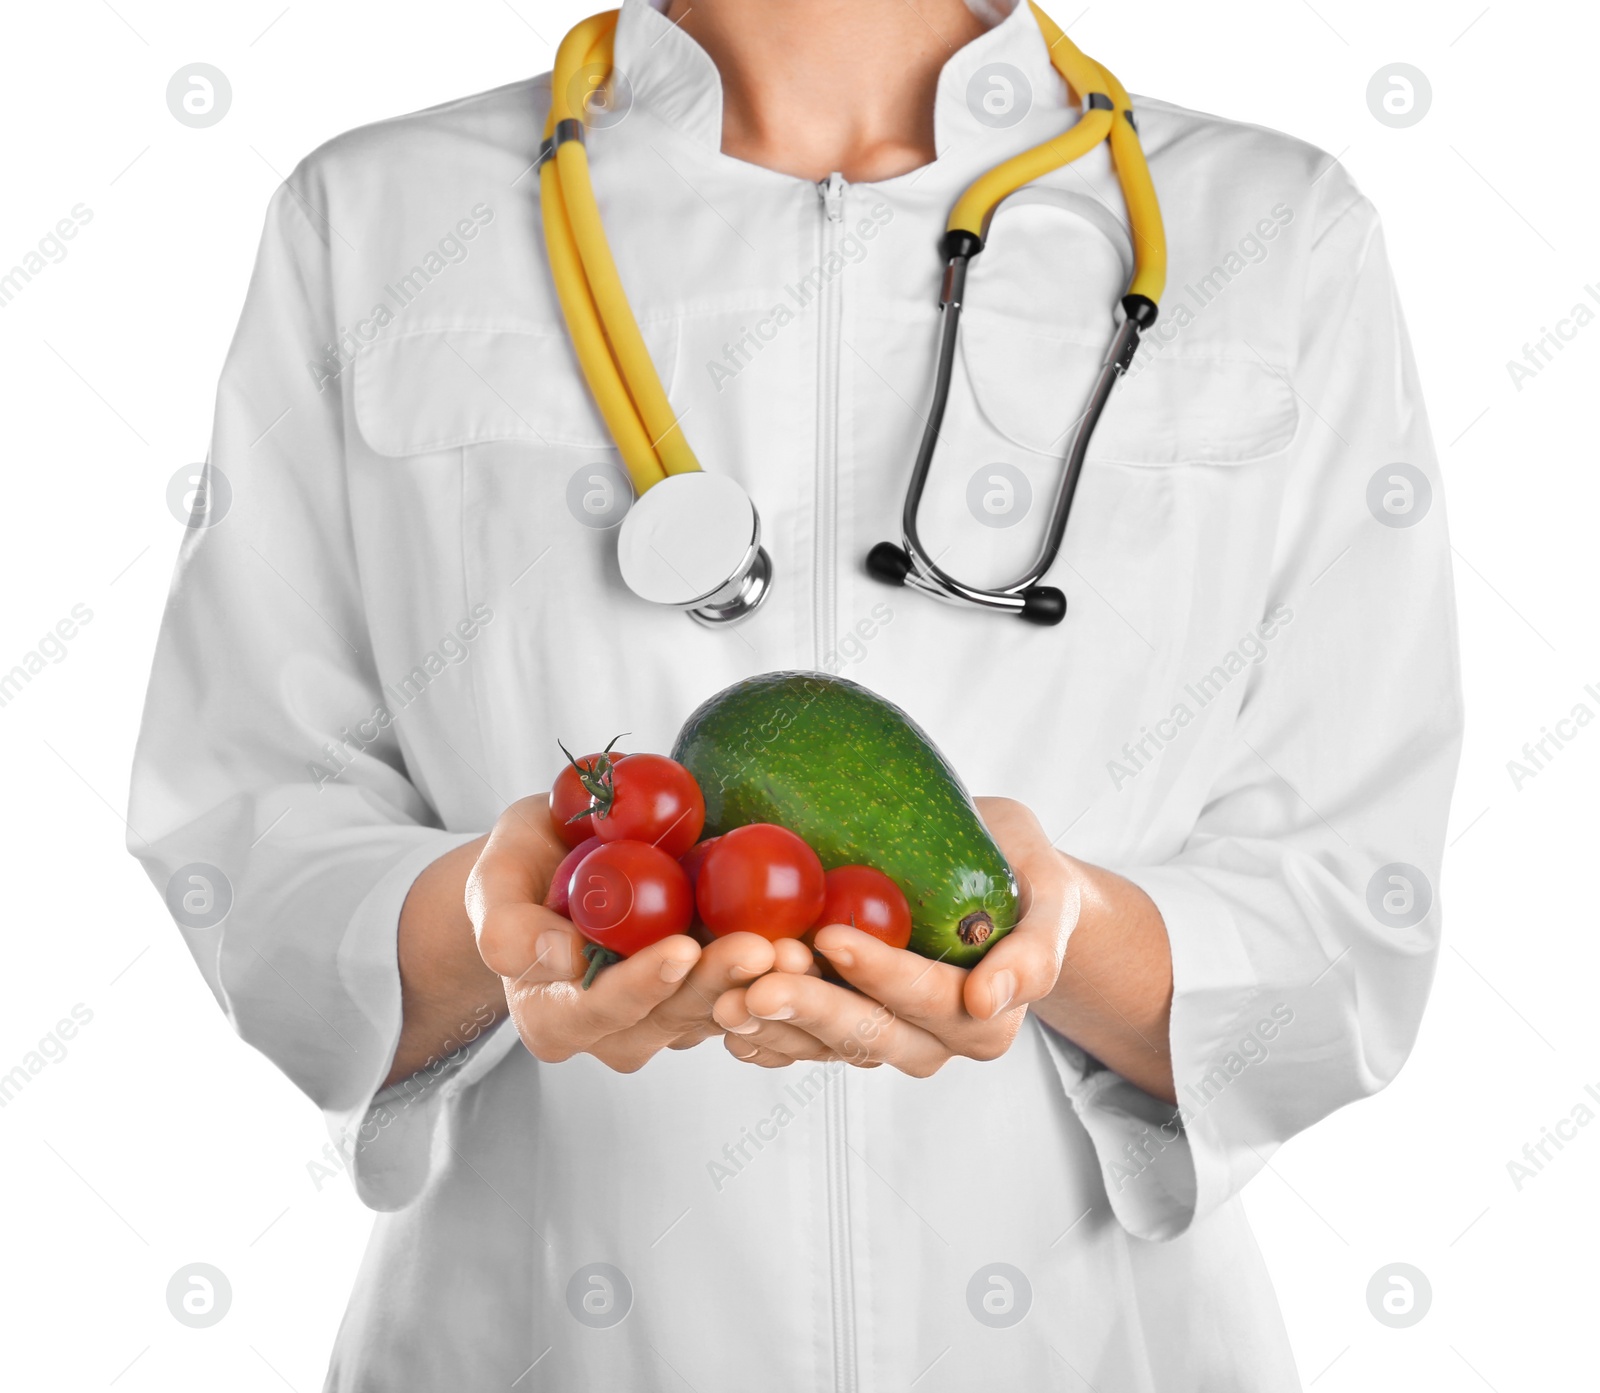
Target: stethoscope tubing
[
  {"x": 643, "y": 425},
  {"x": 925, "y": 573}
]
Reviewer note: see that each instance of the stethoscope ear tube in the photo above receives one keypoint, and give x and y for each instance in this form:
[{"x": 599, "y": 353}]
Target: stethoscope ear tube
[
  {"x": 1038, "y": 604},
  {"x": 909, "y": 563},
  {"x": 1103, "y": 99}
]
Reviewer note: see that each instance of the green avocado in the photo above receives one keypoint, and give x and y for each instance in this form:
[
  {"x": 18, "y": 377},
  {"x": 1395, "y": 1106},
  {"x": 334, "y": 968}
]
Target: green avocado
[{"x": 859, "y": 780}]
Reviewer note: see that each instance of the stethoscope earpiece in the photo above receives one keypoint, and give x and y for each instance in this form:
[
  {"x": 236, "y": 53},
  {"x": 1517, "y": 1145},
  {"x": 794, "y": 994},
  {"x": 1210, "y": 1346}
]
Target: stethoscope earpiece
[
  {"x": 1043, "y": 604},
  {"x": 1037, "y": 604},
  {"x": 888, "y": 563}
]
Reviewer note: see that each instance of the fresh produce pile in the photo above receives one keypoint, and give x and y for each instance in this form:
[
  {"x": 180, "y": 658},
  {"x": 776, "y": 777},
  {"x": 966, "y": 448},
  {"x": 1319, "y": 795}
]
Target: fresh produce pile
[{"x": 791, "y": 801}]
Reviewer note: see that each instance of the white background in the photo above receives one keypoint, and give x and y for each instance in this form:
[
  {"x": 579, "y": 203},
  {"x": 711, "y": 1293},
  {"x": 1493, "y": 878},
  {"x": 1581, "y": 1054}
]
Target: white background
[{"x": 159, "y": 1140}]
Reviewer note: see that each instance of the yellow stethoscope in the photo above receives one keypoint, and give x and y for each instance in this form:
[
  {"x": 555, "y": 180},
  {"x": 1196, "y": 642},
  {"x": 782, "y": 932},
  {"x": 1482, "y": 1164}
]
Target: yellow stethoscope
[{"x": 692, "y": 540}]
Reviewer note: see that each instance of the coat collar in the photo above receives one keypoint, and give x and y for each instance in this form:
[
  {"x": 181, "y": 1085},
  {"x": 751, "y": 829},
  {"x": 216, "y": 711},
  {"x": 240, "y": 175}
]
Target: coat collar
[{"x": 672, "y": 77}]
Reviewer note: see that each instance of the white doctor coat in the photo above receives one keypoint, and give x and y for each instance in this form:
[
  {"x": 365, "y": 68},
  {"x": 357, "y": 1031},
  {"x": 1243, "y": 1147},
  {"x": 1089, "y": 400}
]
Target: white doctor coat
[{"x": 1251, "y": 710}]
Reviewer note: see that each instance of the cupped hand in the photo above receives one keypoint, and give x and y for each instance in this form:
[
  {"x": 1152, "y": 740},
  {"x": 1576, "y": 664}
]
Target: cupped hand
[
  {"x": 909, "y": 1012},
  {"x": 660, "y": 998}
]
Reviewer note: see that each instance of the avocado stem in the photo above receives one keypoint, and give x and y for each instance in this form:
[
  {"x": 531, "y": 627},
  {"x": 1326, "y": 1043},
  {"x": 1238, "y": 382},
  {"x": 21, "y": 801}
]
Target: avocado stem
[{"x": 976, "y": 928}]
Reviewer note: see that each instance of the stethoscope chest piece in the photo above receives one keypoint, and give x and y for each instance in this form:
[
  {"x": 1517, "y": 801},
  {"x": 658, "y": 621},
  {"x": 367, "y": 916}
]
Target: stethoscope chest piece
[{"x": 693, "y": 541}]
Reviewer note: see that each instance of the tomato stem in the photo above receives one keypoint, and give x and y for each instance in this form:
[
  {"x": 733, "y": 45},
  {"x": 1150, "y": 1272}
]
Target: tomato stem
[
  {"x": 599, "y": 957},
  {"x": 596, "y": 779}
]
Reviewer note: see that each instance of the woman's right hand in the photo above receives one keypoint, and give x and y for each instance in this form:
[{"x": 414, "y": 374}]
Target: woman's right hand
[{"x": 660, "y": 998}]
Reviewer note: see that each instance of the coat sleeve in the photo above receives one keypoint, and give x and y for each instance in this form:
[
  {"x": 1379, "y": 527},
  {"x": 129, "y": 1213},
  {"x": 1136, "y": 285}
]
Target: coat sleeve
[
  {"x": 1302, "y": 907},
  {"x": 270, "y": 800}
]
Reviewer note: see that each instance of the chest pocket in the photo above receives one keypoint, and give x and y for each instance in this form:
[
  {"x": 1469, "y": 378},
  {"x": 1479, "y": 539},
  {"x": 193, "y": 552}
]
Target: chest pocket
[
  {"x": 1183, "y": 458},
  {"x": 1037, "y": 325},
  {"x": 487, "y": 471},
  {"x": 1171, "y": 408},
  {"x": 429, "y": 390},
  {"x": 484, "y": 452},
  {"x": 507, "y": 412}
]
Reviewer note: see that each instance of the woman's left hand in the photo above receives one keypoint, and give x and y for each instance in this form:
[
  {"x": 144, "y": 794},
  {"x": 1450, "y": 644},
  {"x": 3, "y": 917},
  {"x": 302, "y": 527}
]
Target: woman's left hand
[{"x": 911, "y": 1012}]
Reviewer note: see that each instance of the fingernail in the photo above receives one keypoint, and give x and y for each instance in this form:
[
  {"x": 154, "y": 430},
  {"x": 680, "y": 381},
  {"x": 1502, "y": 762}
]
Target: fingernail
[
  {"x": 783, "y": 1013},
  {"x": 839, "y": 957},
  {"x": 743, "y": 970},
  {"x": 748, "y": 1028},
  {"x": 675, "y": 969},
  {"x": 554, "y": 954},
  {"x": 1002, "y": 990}
]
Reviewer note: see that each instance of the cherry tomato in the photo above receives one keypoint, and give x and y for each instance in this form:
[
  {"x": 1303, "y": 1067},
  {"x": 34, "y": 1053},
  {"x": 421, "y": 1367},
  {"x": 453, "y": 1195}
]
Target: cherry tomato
[
  {"x": 760, "y": 879},
  {"x": 626, "y": 896},
  {"x": 868, "y": 900},
  {"x": 569, "y": 798},
  {"x": 695, "y": 856},
  {"x": 558, "y": 897},
  {"x": 650, "y": 798}
]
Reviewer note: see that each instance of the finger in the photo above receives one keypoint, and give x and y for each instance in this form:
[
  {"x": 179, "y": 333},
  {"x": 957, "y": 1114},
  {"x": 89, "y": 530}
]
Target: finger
[
  {"x": 929, "y": 995},
  {"x": 855, "y": 1027},
  {"x": 791, "y": 955},
  {"x": 727, "y": 962},
  {"x": 505, "y": 893},
  {"x": 742, "y": 1049},
  {"x": 917, "y": 989},
  {"x": 1025, "y": 964},
  {"x": 772, "y": 1037},
  {"x": 528, "y": 944},
  {"x": 520, "y": 856},
  {"x": 684, "y": 1018},
  {"x": 559, "y": 1019},
  {"x": 782, "y": 1041}
]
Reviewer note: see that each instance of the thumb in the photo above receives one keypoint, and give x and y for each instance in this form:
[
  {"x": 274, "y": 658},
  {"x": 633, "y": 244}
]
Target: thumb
[{"x": 1026, "y": 963}]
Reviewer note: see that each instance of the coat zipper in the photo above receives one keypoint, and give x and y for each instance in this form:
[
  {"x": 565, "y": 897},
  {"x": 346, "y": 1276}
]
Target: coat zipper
[
  {"x": 824, "y": 621},
  {"x": 824, "y": 614}
]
